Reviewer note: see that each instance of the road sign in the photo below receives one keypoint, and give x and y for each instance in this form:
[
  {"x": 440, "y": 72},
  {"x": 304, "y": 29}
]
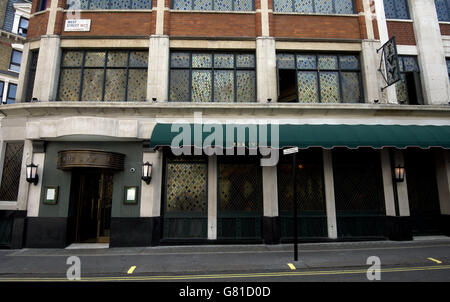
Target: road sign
[{"x": 290, "y": 151}]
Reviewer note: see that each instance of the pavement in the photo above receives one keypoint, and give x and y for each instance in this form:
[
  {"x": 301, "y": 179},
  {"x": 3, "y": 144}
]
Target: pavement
[{"x": 423, "y": 259}]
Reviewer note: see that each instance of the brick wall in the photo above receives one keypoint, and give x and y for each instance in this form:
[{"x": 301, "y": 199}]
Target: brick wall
[
  {"x": 5, "y": 55},
  {"x": 114, "y": 24},
  {"x": 211, "y": 24},
  {"x": 445, "y": 29},
  {"x": 38, "y": 26},
  {"x": 403, "y": 32},
  {"x": 333, "y": 27}
]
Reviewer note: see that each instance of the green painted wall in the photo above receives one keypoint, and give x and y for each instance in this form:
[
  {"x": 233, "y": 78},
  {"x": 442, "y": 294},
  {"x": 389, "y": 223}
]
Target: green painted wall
[{"x": 54, "y": 177}]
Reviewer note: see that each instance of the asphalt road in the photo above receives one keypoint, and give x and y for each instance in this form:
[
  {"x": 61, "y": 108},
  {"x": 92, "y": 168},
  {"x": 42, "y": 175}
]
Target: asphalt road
[{"x": 422, "y": 260}]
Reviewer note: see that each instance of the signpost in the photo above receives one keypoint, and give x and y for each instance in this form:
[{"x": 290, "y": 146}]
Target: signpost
[
  {"x": 391, "y": 64},
  {"x": 294, "y": 152}
]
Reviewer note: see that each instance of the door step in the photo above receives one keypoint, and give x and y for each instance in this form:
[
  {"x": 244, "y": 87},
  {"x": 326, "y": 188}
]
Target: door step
[{"x": 87, "y": 246}]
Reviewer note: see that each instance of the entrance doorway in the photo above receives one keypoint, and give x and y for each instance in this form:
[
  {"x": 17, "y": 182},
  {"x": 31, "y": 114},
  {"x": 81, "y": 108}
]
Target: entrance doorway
[{"x": 92, "y": 200}]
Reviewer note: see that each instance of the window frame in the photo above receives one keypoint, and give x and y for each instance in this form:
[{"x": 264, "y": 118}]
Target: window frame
[
  {"x": 447, "y": 4},
  {"x": 13, "y": 64},
  {"x": 314, "y": 8},
  {"x": 403, "y": 73},
  {"x": 42, "y": 5},
  {"x": 317, "y": 71},
  {"x": 8, "y": 98},
  {"x": 105, "y": 67},
  {"x": 408, "y": 11},
  {"x": 212, "y": 69},
  {"x": 23, "y": 34},
  {"x": 109, "y": 4},
  {"x": 2, "y": 90}
]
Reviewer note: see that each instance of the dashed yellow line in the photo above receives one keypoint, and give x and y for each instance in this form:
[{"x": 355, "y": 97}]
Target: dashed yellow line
[
  {"x": 291, "y": 266},
  {"x": 435, "y": 260},
  {"x": 131, "y": 270},
  {"x": 229, "y": 276}
]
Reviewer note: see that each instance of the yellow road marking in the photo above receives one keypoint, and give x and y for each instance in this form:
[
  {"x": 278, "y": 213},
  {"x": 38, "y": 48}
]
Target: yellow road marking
[
  {"x": 435, "y": 260},
  {"x": 291, "y": 266},
  {"x": 226, "y": 276},
  {"x": 131, "y": 270}
]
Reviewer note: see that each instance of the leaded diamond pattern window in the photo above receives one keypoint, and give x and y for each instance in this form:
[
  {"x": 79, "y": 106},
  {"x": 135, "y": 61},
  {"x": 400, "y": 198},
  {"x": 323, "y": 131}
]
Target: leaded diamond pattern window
[
  {"x": 325, "y": 78},
  {"x": 109, "y": 4},
  {"x": 407, "y": 64},
  {"x": 212, "y": 77},
  {"x": 214, "y": 5},
  {"x": 12, "y": 166},
  {"x": 112, "y": 76},
  {"x": 315, "y": 6},
  {"x": 396, "y": 9},
  {"x": 443, "y": 10}
]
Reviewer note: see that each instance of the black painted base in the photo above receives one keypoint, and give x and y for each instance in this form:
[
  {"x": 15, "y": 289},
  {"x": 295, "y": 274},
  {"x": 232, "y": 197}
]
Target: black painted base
[
  {"x": 398, "y": 228},
  {"x": 271, "y": 230},
  {"x": 46, "y": 232},
  {"x": 445, "y": 224},
  {"x": 18, "y": 228},
  {"x": 136, "y": 231}
]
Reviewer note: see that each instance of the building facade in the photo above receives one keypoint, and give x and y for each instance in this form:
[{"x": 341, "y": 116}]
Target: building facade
[{"x": 209, "y": 93}]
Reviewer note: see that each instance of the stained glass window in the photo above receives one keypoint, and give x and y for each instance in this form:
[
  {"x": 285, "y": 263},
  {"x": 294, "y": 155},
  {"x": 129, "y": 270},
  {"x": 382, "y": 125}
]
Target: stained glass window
[
  {"x": 315, "y": 6},
  {"x": 12, "y": 165},
  {"x": 443, "y": 10},
  {"x": 109, "y": 4},
  {"x": 212, "y": 77},
  {"x": 214, "y": 5},
  {"x": 113, "y": 76},
  {"x": 324, "y": 78},
  {"x": 396, "y": 9},
  {"x": 407, "y": 64}
]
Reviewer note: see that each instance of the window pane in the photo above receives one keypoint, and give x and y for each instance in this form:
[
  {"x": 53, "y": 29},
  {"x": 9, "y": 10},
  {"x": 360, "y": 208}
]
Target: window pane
[
  {"x": 402, "y": 9},
  {"x": 2, "y": 86},
  {"x": 182, "y": 4},
  {"x": 286, "y": 61},
  {"x": 11, "y": 97},
  {"x": 223, "y": 5},
  {"x": 179, "y": 85},
  {"x": 329, "y": 87},
  {"x": 201, "y": 60},
  {"x": 201, "y": 86},
  {"x": 139, "y": 59},
  {"x": 141, "y": 4},
  {"x": 203, "y": 5},
  {"x": 328, "y": 62},
  {"x": 116, "y": 81},
  {"x": 137, "y": 85},
  {"x": 92, "y": 85},
  {"x": 224, "y": 86},
  {"x": 98, "y": 4},
  {"x": 94, "y": 59},
  {"x": 344, "y": 6},
  {"x": 246, "y": 90},
  {"x": 283, "y": 5},
  {"x": 243, "y": 5},
  {"x": 119, "y": 4},
  {"x": 69, "y": 86},
  {"x": 72, "y": 58},
  {"x": 324, "y": 6},
  {"x": 349, "y": 62},
  {"x": 306, "y": 62},
  {"x": 12, "y": 166},
  {"x": 402, "y": 90},
  {"x": 351, "y": 87},
  {"x": 410, "y": 64},
  {"x": 245, "y": 61},
  {"x": 16, "y": 57},
  {"x": 442, "y": 10},
  {"x": 186, "y": 187},
  {"x": 303, "y": 6},
  {"x": 223, "y": 61},
  {"x": 117, "y": 59},
  {"x": 180, "y": 59},
  {"x": 307, "y": 87}
]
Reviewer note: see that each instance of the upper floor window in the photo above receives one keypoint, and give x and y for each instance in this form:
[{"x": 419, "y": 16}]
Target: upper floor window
[
  {"x": 2, "y": 88},
  {"x": 315, "y": 6},
  {"x": 396, "y": 9},
  {"x": 212, "y": 77},
  {"x": 409, "y": 88},
  {"x": 42, "y": 5},
  {"x": 97, "y": 75},
  {"x": 448, "y": 67},
  {"x": 16, "y": 59},
  {"x": 11, "y": 96},
  {"x": 23, "y": 27},
  {"x": 319, "y": 78},
  {"x": 109, "y": 4},
  {"x": 214, "y": 5},
  {"x": 31, "y": 75},
  {"x": 443, "y": 10}
]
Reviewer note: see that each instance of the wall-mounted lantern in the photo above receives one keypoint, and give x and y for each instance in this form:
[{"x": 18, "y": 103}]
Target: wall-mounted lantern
[
  {"x": 32, "y": 175},
  {"x": 399, "y": 172},
  {"x": 147, "y": 172}
]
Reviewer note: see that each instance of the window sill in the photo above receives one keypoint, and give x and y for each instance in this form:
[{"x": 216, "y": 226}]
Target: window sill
[
  {"x": 400, "y": 20},
  {"x": 8, "y": 205},
  {"x": 444, "y": 22}
]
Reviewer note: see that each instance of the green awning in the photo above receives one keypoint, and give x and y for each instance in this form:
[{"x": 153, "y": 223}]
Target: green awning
[{"x": 302, "y": 136}]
